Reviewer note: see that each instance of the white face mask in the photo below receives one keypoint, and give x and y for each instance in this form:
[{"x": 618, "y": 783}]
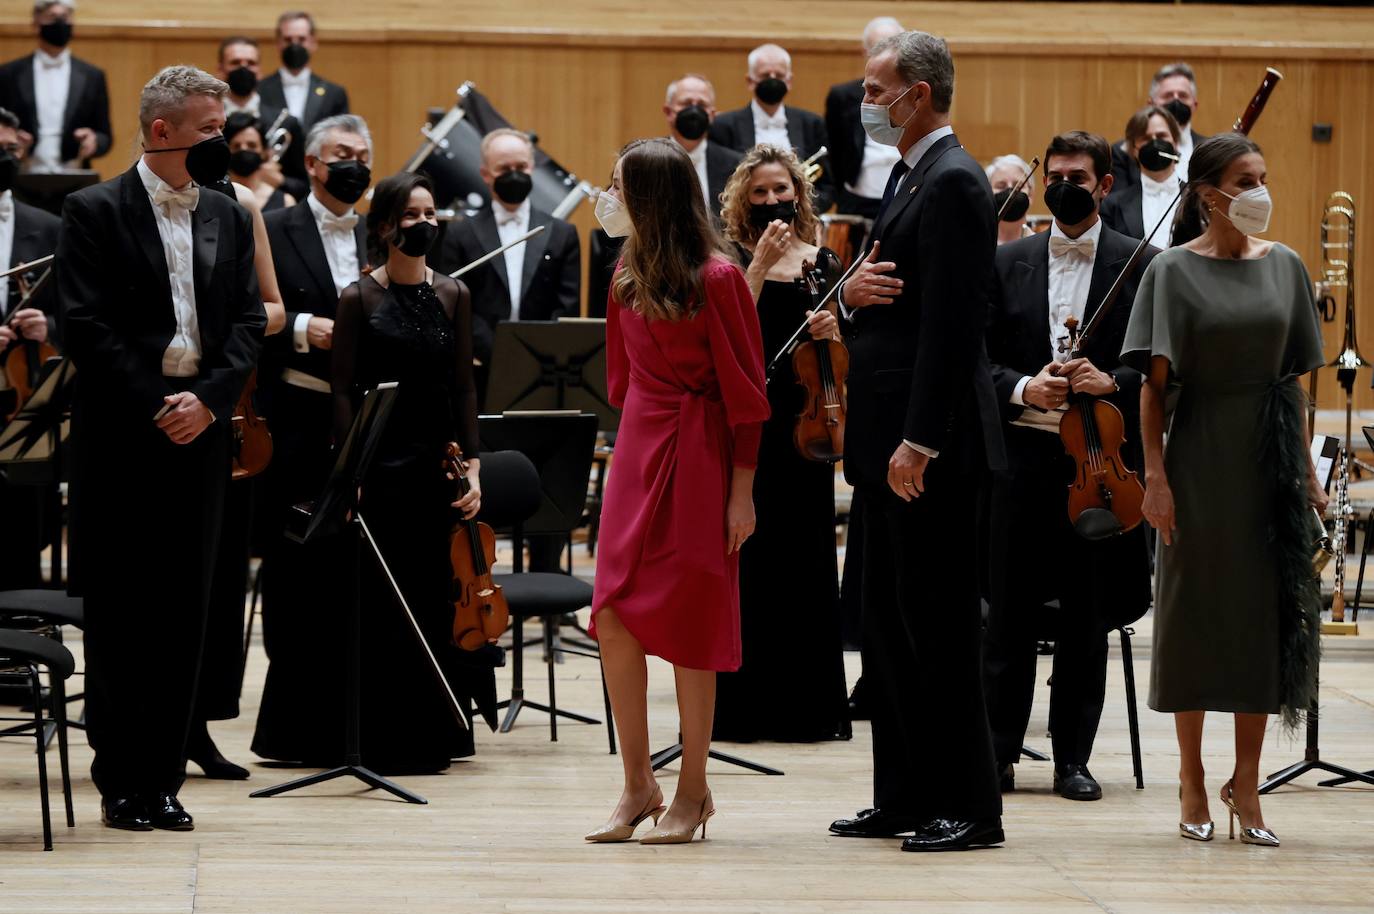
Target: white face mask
[
  {"x": 1250, "y": 211},
  {"x": 610, "y": 212},
  {"x": 877, "y": 121}
]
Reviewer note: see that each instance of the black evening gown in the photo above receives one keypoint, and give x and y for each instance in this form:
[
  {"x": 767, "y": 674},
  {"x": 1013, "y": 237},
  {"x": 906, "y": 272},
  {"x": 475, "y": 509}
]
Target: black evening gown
[{"x": 790, "y": 686}]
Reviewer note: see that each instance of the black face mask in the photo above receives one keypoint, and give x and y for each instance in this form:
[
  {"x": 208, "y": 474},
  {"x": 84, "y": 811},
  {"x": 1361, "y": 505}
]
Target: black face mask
[
  {"x": 243, "y": 162},
  {"x": 770, "y": 91},
  {"x": 295, "y": 56},
  {"x": 56, "y": 33},
  {"x": 513, "y": 187},
  {"x": 417, "y": 239},
  {"x": 1180, "y": 110},
  {"x": 1015, "y": 210},
  {"x": 242, "y": 81},
  {"x": 348, "y": 180},
  {"x": 760, "y": 214},
  {"x": 1155, "y": 155},
  {"x": 1070, "y": 203},
  {"x": 9, "y": 169},
  {"x": 207, "y": 162},
  {"x": 692, "y": 122}
]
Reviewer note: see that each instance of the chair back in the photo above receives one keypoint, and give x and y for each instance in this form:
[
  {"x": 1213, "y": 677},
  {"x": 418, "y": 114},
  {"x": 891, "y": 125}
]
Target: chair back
[{"x": 510, "y": 489}]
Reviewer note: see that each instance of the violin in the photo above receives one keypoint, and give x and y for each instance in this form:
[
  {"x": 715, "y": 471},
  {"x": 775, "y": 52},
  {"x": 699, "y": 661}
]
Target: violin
[
  {"x": 23, "y": 358},
  {"x": 480, "y": 613},
  {"x": 1105, "y": 497},
  {"x": 249, "y": 436},
  {"x": 821, "y": 368}
]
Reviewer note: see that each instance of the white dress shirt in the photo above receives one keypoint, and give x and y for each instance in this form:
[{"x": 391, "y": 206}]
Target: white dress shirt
[
  {"x": 181, "y": 359},
  {"x": 510, "y": 226},
  {"x": 340, "y": 249},
  {"x": 770, "y": 128},
  {"x": 6, "y": 247},
  {"x": 1070, "y": 275},
  {"x": 52, "y": 81},
  {"x": 296, "y": 88},
  {"x": 1185, "y": 154},
  {"x": 253, "y": 106},
  {"x": 698, "y": 157},
  {"x": 1156, "y": 199},
  {"x": 873, "y": 170}
]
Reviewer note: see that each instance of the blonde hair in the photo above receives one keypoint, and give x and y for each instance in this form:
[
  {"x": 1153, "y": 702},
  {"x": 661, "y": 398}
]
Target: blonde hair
[
  {"x": 164, "y": 96},
  {"x": 735, "y": 199}
]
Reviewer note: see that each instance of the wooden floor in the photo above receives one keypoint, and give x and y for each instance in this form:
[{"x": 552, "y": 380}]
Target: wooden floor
[{"x": 503, "y": 832}]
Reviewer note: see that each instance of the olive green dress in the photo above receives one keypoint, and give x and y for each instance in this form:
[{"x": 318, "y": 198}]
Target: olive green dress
[{"x": 1236, "y": 333}]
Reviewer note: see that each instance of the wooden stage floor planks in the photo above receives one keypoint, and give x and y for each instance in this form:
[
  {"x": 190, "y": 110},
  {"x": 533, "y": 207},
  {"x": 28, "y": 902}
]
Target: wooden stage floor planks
[{"x": 502, "y": 832}]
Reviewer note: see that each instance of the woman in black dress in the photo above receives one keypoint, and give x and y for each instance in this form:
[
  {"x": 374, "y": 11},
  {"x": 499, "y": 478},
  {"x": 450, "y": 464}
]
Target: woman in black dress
[
  {"x": 790, "y": 686},
  {"x": 405, "y": 323}
]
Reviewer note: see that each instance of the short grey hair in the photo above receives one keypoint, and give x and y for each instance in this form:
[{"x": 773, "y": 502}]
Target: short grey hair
[
  {"x": 164, "y": 96},
  {"x": 763, "y": 49},
  {"x": 922, "y": 58},
  {"x": 1177, "y": 68},
  {"x": 490, "y": 139},
  {"x": 1013, "y": 162},
  {"x": 41, "y": 6},
  {"x": 882, "y": 24},
  {"x": 672, "y": 87},
  {"x": 346, "y": 123}
]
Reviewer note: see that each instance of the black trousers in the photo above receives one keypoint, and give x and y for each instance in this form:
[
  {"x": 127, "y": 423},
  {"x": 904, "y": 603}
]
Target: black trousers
[
  {"x": 221, "y": 675},
  {"x": 147, "y": 589},
  {"x": 21, "y": 535},
  {"x": 1036, "y": 557},
  {"x": 922, "y": 633}
]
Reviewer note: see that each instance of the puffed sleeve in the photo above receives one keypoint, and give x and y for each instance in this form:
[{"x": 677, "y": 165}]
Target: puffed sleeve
[
  {"x": 1147, "y": 333},
  {"x": 737, "y": 353},
  {"x": 617, "y": 362},
  {"x": 1303, "y": 351}
]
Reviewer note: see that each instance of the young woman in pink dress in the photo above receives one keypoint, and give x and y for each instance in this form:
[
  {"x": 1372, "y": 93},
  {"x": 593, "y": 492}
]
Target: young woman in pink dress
[{"x": 685, "y": 365}]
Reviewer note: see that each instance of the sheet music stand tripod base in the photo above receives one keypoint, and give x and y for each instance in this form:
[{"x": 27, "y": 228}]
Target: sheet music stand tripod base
[
  {"x": 1312, "y": 761},
  {"x": 674, "y": 752},
  {"x": 335, "y": 511}
]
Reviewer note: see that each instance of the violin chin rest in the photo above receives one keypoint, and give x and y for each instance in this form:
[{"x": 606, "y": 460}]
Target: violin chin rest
[{"x": 1097, "y": 524}]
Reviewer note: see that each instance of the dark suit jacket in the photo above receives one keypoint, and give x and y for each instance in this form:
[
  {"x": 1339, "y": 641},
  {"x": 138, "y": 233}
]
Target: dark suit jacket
[
  {"x": 917, "y": 367},
  {"x": 550, "y": 282},
  {"x": 844, "y": 130},
  {"x": 1122, "y": 211},
  {"x": 88, "y": 103},
  {"x": 1126, "y": 170},
  {"x": 306, "y": 286},
  {"x": 35, "y": 235},
  {"x": 721, "y": 162},
  {"x": 324, "y": 98},
  {"x": 805, "y": 130}
]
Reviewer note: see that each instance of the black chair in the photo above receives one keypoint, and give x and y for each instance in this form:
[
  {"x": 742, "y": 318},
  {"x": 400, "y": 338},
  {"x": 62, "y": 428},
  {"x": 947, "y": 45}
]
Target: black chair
[
  {"x": 45, "y": 612},
  {"x": 21, "y": 656},
  {"x": 511, "y": 494}
]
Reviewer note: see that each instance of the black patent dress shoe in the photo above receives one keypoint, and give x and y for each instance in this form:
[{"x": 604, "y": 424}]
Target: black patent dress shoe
[
  {"x": 128, "y": 813},
  {"x": 165, "y": 812},
  {"x": 1075, "y": 782},
  {"x": 1007, "y": 779},
  {"x": 952, "y": 835},
  {"x": 873, "y": 823}
]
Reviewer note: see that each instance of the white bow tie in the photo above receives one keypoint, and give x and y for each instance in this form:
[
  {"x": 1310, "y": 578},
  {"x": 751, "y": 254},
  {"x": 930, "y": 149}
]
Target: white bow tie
[
  {"x": 187, "y": 198},
  {"x": 332, "y": 223},
  {"x": 1082, "y": 247},
  {"x": 51, "y": 63},
  {"x": 508, "y": 218},
  {"x": 775, "y": 122}
]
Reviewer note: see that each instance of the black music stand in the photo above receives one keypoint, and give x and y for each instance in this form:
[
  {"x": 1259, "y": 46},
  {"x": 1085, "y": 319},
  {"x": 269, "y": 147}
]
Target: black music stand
[
  {"x": 547, "y": 365},
  {"x": 331, "y": 514},
  {"x": 31, "y": 444},
  {"x": 48, "y": 189}
]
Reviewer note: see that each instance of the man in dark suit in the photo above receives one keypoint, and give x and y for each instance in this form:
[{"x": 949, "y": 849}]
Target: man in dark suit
[
  {"x": 1035, "y": 554},
  {"x": 1142, "y": 205},
  {"x": 690, "y": 108},
  {"x": 767, "y": 120},
  {"x": 240, "y": 67},
  {"x": 540, "y": 280},
  {"x": 859, "y": 166},
  {"x": 319, "y": 248},
  {"x": 162, "y": 319},
  {"x": 62, "y": 102},
  {"x": 26, "y": 234},
  {"x": 922, "y": 431},
  {"x": 309, "y": 98},
  {"x": 1173, "y": 88}
]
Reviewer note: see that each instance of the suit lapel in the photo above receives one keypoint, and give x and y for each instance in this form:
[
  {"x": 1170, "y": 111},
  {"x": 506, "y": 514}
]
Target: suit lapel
[
  {"x": 138, "y": 213},
  {"x": 314, "y": 99},
  {"x": 204, "y": 246},
  {"x": 1135, "y": 210},
  {"x": 74, "y": 90},
  {"x": 796, "y": 137},
  {"x": 1035, "y": 293},
  {"x": 305, "y": 237},
  {"x": 911, "y": 184},
  {"x": 484, "y": 225},
  {"x": 1106, "y": 265},
  {"x": 24, "y": 83},
  {"x": 534, "y": 251}
]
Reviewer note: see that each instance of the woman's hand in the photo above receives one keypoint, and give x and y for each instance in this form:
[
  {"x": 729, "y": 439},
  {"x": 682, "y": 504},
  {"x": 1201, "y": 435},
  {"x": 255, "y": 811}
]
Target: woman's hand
[
  {"x": 1159, "y": 509},
  {"x": 471, "y": 503},
  {"x": 1316, "y": 495},
  {"x": 739, "y": 515},
  {"x": 823, "y": 325},
  {"x": 772, "y": 244}
]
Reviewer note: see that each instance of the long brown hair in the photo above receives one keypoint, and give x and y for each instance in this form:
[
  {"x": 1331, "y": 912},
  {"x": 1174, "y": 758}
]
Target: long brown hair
[
  {"x": 736, "y": 197},
  {"x": 1205, "y": 169},
  {"x": 672, "y": 238}
]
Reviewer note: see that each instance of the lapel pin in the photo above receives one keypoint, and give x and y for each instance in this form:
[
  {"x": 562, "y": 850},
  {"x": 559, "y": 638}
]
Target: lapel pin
[
  {"x": 319, "y": 90},
  {"x": 915, "y": 187}
]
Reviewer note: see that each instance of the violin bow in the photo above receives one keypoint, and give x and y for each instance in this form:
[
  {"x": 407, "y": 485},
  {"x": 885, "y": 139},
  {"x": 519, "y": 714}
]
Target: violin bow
[
  {"x": 1034, "y": 164},
  {"x": 501, "y": 250}
]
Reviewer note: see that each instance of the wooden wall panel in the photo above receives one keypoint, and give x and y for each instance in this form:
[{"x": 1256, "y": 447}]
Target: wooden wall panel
[{"x": 588, "y": 75}]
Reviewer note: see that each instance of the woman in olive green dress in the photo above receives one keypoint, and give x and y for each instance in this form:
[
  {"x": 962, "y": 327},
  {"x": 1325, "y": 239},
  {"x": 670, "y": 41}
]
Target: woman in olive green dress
[{"x": 1223, "y": 325}]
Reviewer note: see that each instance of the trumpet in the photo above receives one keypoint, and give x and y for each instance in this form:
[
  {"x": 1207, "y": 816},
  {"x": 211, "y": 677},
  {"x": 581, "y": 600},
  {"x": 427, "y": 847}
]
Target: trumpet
[
  {"x": 278, "y": 138},
  {"x": 812, "y": 167}
]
